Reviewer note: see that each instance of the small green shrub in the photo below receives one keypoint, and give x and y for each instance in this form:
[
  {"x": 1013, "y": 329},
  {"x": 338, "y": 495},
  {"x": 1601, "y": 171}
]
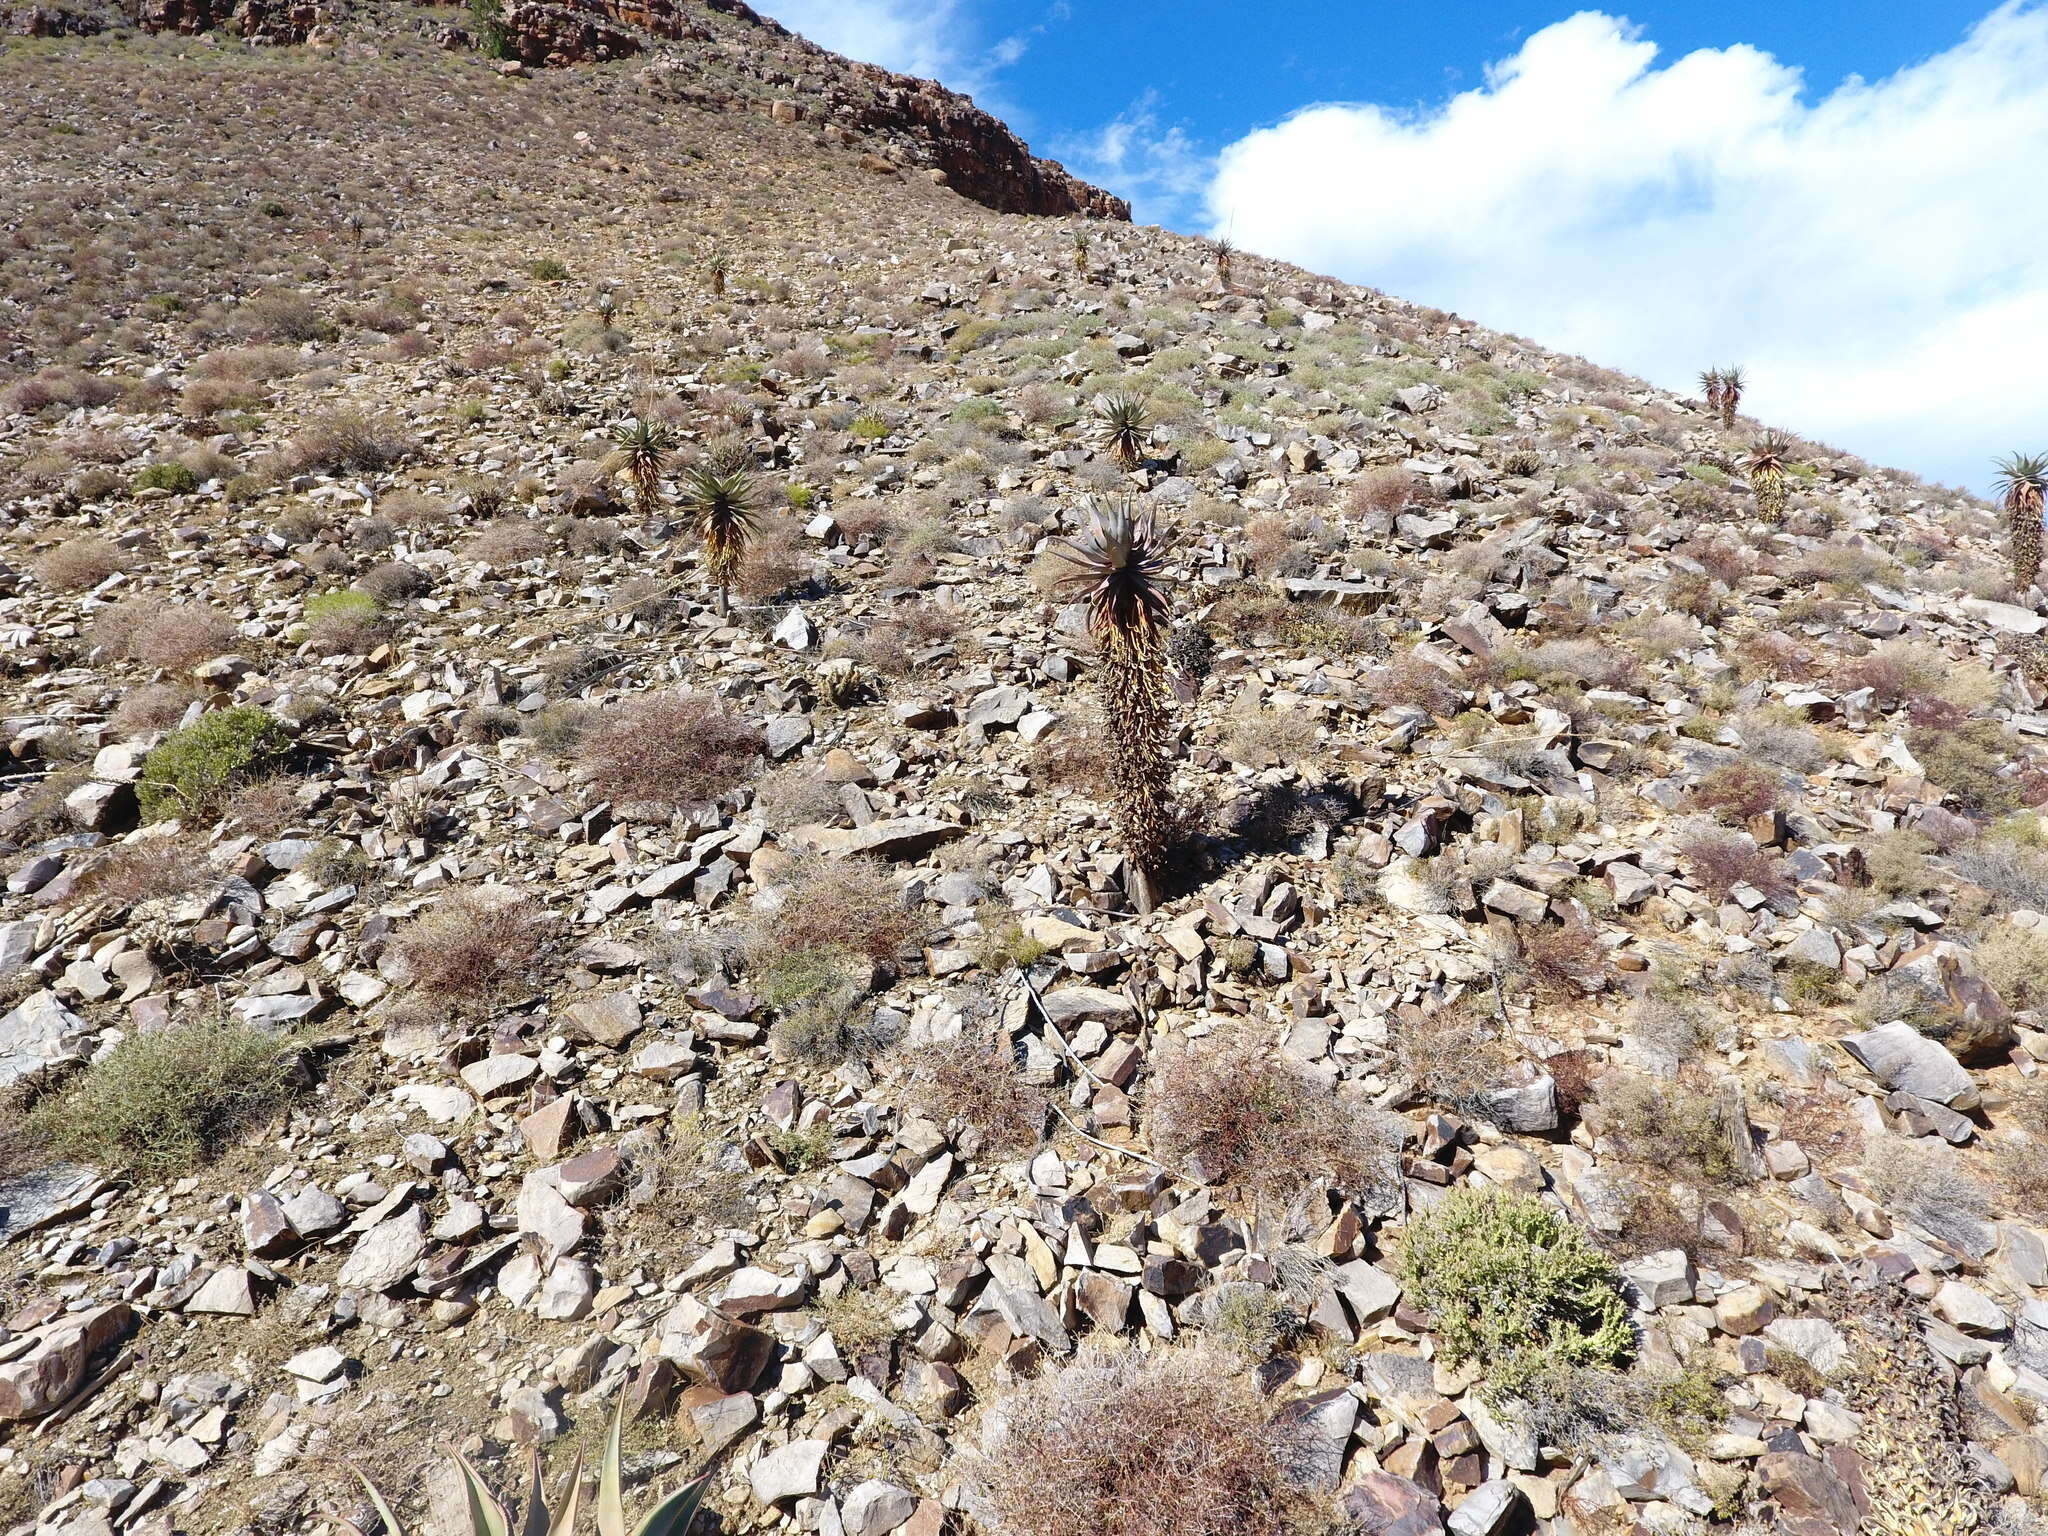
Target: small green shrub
[
  {"x": 548, "y": 269},
  {"x": 349, "y": 606},
  {"x": 162, "y": 1100},
  {"x": 1515, "y": 1286},
  {"x": 167, "y": 477},
  {"x": 192, "y": 768}
]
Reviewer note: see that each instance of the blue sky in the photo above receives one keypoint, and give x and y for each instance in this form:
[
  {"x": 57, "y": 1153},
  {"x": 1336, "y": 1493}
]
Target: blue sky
[{"x": 1830, "y": 194}]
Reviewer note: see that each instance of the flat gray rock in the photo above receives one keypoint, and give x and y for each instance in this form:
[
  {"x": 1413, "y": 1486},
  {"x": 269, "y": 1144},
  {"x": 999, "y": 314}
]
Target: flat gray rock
[
  {"x": 1900, "y": 1057},
  {"x": 36, "y": 1036}
]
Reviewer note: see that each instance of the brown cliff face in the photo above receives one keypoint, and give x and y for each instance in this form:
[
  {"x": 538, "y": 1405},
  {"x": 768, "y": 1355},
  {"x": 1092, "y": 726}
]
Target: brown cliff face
[
  {"x": 912, "y": 124},
  {"x": 260, "y": 21},
  {"x": 924, "y": 124}
]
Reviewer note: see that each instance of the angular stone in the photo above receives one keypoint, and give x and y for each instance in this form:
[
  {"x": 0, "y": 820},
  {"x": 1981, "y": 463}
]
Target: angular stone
[
  {"x": 386, "y": 1256},
  {"x": 229, "y": 1292},
  {"x": 58, "y": 1355},
  {"x": 1484, "y": 1510},
  {"x": 496, "y": 1075},
  {"x": 875, "y": 1508},
  {"x": 1386, "y": 1505},
  {"x": 793, "y": 1472},
  {"x": 38, "y": 1034},
  {"x": 611, "y": 1019},
  {"x": 1900, "y": 1057},
  {"x": 906, "y": 837}
]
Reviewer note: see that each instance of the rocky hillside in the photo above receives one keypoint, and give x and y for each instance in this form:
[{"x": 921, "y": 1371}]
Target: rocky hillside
[{"x": 462, "y": 976}]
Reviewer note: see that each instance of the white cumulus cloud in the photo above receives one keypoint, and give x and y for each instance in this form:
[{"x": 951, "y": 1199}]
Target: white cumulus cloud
[
  {"x": 1875, "y": 258},
  {"x": 932, "y": 39}
]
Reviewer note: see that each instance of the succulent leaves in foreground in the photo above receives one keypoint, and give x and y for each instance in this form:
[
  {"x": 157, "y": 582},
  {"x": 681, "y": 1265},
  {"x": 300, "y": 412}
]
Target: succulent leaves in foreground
[
  {"x": 1766, "y": 468},
  {"x": 488, "y": 1517}
]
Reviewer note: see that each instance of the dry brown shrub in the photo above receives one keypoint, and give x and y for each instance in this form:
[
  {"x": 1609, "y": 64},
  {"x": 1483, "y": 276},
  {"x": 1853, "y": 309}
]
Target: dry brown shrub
[
  {"x": 1178, "y": 1442},
  {"x": 1385, "y": 490},
  {"x": 151, "y": 707},
  {"x": 1668, "y": 1124},
  {"x": 865, "y": 519},
  {"x": 1565, "y": 960},
  {"x": 343, "y": 439},
  {"x": 1740, "y": 790},
  {"x": 506, "y": 542},
  {"x": 1722, "y": 860},
  {"x": 160, "y": 634},
  {"x": 1453, "y": 1057},
  {"x": 393, "y": 581},
  {"x": 142, "y": 871},
  {"x": 834, "y": 906},
  {"x": 1275, "y": 547},
  {"x": 77, "y": 564},
  {"x": 1410, "y": 682},
  {"x": 774, "y": 563},
  {"x": 471, "y": 945},
  {"x": 408, "y": 508},
  {"x": 978, "y": 1084},
  {"x": 671, "y": 750},
  {"x": 1231, "y": 1111}
]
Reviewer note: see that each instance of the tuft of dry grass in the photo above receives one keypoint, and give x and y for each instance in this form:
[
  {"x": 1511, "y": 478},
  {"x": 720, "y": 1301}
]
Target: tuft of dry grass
[
  {"x": 343, "y": 439},
  {"x": 670, "y": 750},
  {"x": 1232, "y": 1111},
  {"x": 1566, "y": 960},
  {"x": 160, "y": 634},
  {"x": 78, "y": 564},
  {"x": 164, "y": 1099},
  {"x": 141, "y": 871},
  {"x": 1722, "y": 860},
  {"x": 472, "y": 945},
  {"x": 1737, "y": 790},
  {"x": 1175, "y": 1443},
  {"x": 978, "y": 1084},
  {"x": 835, "y": 906},
  {"x": 151, "y": 707}
]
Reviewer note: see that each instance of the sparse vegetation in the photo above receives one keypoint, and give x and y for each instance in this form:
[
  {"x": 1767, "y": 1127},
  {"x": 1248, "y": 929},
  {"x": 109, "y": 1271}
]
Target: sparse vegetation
[
  {"x": 670, "y": 750},
  {"x": 472, "y": 945},
  {"x": 1509, "y": 1282},
  {"x": 189, "y": 771},
  {"x": 164, "y": 1099}
]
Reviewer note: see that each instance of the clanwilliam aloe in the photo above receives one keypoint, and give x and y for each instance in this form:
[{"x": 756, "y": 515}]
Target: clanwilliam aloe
[
  {"x": 1080, "y": 250},
  {"x": 720, "y": 503},
  {"x": 716, "y": 266},
  {"x": 641, "y": 453},
  {"x": 488, "y": 1517},
  {"x": 1731, "y": 395},
  {"x": 1766, "y": 468},
  {"x": 2023, "y": 482},
  {"x": 1224, "y": 250},
  {"x": 1124, "y": 422},
  {"x": 1711, "y": 387},
  {"x": 1119, "y": 565}
]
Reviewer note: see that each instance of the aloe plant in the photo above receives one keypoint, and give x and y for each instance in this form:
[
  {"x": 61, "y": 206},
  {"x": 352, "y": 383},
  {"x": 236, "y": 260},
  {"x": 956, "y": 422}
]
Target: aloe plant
[
  {"x": 2023, "y": 483},
  {"x": 1119, "y": 564},
  {"x": 1766, "y": 468},
  {"x": 489, "y": 1517},
  {"x": 641, "y": 455},
  {"x": 1731, "y": 395},
  {"x": 721, "y": 505},
  {"x": 1124, "y": 423}
]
